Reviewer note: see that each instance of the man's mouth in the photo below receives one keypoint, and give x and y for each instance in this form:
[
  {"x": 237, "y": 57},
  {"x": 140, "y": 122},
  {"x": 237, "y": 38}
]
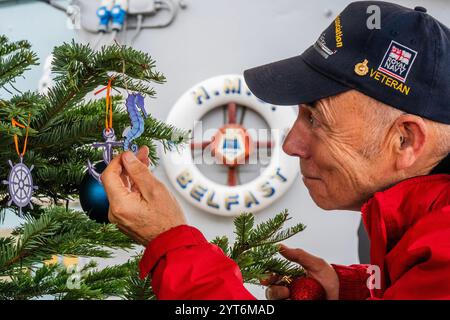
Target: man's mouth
[
  {"x": 306, "y": 176},
  {"x": 310, "y": 178}
]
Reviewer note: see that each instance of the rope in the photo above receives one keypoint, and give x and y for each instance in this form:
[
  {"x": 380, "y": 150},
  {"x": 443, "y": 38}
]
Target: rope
[
  {"x": 109, "y": 107},
  {"x": 16, "y": 139}
]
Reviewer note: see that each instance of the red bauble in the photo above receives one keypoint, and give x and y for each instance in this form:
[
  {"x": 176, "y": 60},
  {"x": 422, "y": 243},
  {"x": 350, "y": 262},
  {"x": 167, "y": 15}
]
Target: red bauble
[{"x": 307, "y": 289}]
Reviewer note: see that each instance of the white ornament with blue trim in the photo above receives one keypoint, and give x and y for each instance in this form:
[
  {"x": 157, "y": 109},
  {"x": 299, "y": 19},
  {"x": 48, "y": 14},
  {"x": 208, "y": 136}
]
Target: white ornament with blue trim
[{"x": 232, "y": 144}]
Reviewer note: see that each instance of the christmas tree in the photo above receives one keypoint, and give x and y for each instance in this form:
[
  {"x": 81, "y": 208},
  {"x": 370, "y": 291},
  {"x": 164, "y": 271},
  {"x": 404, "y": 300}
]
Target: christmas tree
[{"x": 60, "y": 128}]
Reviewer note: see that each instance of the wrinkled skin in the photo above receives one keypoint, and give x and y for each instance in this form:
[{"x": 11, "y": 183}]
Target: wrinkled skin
[{"x": 329, "y": 137}]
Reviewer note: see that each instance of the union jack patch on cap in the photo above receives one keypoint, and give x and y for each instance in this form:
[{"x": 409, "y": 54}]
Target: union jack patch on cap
[{"x": 397, "y": 61}]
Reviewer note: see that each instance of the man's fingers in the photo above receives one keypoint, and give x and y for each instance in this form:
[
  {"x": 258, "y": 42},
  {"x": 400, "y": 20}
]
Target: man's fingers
[
  {"x": 112, "y": 180},
  {"x": 270, "y": 280},
  {"x": 126, "y": 181},
  {"x": 142, "y": 155},
  {"x": 308, "y": 261},
  {"x": 277, "y": 293},
  {"x": 138, "y": 173}
]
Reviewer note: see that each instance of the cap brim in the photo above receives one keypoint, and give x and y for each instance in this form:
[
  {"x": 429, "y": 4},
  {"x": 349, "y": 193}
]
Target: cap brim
[{"x": 289, "y": 82}]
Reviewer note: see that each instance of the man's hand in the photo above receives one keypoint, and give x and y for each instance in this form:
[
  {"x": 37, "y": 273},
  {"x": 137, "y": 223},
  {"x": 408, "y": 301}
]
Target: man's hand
[
  {"x": 139, "y": 204},
  {"x": 316, "y": 268}
]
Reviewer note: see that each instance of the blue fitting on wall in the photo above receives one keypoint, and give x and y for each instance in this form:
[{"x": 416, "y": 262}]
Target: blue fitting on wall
[
  {"x": 105, "y": 15},
  {"x": 118, "y": 17}
]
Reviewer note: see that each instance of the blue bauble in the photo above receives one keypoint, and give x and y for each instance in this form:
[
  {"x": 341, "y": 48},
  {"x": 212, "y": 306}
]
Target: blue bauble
[{"x": 93, "y": 197}]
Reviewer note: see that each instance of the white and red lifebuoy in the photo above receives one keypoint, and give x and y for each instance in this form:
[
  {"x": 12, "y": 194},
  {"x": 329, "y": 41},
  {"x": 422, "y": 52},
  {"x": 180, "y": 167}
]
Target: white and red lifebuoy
[{"x": 230, "y": 199}]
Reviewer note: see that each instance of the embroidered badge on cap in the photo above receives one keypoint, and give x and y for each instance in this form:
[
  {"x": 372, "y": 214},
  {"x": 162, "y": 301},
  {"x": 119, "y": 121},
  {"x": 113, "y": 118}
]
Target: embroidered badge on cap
[
  {"x": 397, "y": 61},
  {"x": 361, "y": 69}
]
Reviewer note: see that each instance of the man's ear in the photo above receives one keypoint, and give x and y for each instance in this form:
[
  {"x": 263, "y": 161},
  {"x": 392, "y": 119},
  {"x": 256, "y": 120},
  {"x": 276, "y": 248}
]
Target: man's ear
[{"x": 409, "y": 141}]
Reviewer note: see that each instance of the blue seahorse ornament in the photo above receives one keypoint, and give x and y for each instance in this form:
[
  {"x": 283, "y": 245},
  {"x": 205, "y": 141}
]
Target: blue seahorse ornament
[{"x": 134, "y": 104}]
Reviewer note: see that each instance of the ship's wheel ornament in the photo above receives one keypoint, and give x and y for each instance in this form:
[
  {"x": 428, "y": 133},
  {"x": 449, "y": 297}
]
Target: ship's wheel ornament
[{"x": 20, "y": 184}]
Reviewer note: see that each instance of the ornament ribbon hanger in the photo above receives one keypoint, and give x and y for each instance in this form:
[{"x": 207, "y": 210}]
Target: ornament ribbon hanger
[
  {"x": 108, "y": 133},
  {"x": 109, "y": 111},
  {"x": 16, "y": 139}
]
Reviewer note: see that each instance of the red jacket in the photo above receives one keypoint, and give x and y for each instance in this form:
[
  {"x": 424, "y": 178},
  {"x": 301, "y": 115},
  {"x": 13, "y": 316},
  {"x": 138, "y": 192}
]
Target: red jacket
[{"x": 409, "y": 229}]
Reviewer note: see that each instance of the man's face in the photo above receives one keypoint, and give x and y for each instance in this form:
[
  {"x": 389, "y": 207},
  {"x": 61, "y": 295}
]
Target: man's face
[{"x": 328, "y": 137}]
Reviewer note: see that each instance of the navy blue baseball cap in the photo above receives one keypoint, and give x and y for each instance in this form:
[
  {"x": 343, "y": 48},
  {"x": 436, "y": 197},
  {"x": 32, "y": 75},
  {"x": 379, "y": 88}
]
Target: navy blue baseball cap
[{"x": 404, "y": 62}]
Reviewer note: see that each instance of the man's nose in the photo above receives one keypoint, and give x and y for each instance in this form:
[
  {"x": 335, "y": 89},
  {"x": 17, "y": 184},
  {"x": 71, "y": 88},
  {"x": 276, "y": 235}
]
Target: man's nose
[{"x": 296, "y": 144}]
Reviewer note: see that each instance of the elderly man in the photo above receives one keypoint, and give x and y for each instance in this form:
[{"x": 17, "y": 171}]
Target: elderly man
[{"x": 372, "y": 134}]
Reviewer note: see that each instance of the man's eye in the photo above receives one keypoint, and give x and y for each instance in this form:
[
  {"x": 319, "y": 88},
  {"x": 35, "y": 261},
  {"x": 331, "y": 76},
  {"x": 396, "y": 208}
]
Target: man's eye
[
  {"x": 308, "y": 117},
  {"x": 312, "y": 120}
]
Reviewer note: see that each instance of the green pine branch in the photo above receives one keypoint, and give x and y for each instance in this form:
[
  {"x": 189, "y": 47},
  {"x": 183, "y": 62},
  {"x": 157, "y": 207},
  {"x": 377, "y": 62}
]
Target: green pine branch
[
  {"x": 255, "y": 249},
  {"x": 59, "y": 231},
  {"x": 66, "y": 283},
  {"x": 79, "y": 70},
  {"x": 32, "y": 279},
  {"x": 15, "y": 59},
  {"x": 73, "y": 283},
  {"x": 136, "y": 288}
]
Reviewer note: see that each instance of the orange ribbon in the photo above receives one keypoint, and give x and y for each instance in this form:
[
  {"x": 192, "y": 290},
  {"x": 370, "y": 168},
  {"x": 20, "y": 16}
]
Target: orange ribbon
[
  {"x": 16, "y": 139},
  {"x": 109, "y": 113}
]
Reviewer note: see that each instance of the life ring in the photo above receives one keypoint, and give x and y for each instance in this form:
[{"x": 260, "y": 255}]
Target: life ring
[{"x": 233, "y": 145}]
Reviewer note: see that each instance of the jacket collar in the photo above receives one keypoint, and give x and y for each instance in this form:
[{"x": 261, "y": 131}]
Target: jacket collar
[
  {"x": 390, "y": 213},
  {"x": 399, "y": 207}
]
